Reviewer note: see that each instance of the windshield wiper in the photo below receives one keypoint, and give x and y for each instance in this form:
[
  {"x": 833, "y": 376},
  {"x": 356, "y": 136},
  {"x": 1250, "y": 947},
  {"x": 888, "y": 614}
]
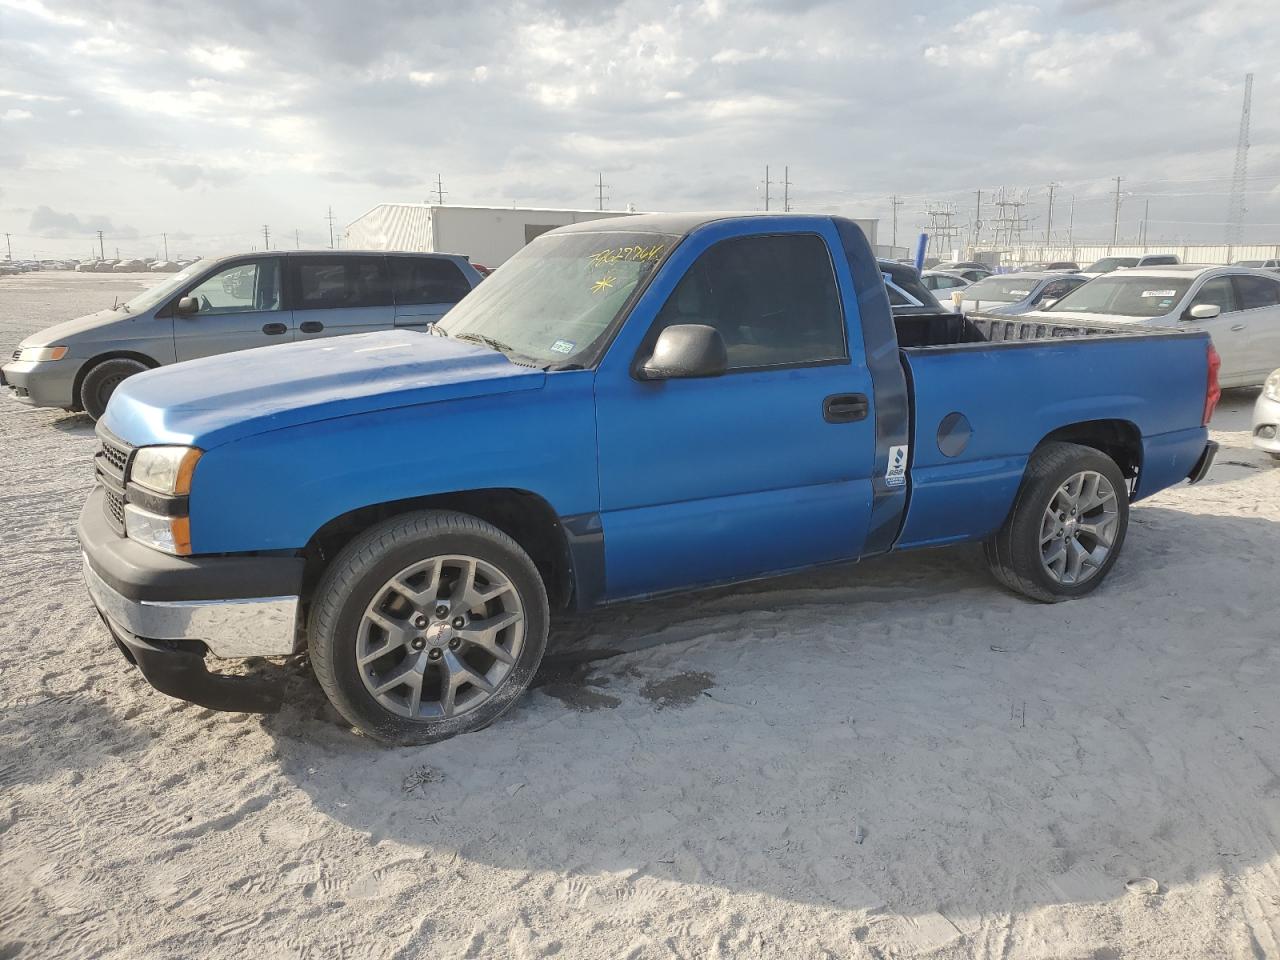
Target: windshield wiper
[{"x": 490, "y": 342}]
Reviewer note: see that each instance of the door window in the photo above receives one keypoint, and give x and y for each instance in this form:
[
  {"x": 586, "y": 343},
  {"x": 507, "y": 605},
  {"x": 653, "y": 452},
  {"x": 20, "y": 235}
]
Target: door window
[
  {"x": 1219, "y": 292},
  {"x": 1253, "y": 292},
  {"x": 427, "y": 280},
  {"x": 244, "y": 288},
  {"x": 773, "y": 299},
  {"x": 1056, "y": 290},
  {"x": 334, "y": 283}
]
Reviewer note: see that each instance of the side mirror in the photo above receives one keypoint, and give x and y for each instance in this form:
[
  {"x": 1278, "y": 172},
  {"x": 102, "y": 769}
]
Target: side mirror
[
  {"x": 188, "y": 306},
  {"x": 1048, "y": 302},
  {"x": 686, "y": 350},
  {"x": 1204, "y": 311}
]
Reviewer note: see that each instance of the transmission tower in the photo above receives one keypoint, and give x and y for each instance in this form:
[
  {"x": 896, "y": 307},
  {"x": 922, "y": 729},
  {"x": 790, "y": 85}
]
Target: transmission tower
[
  {"x": 942, "y": 230},
  {"x": 1235, "y": 208}
]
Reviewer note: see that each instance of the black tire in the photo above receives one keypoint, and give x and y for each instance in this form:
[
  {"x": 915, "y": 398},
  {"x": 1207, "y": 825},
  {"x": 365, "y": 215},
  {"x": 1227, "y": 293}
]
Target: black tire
[
  {"x": 370, "y": 561},
  {"x": 1014, "y": 552},
  {"x": 101, "y": 381}
]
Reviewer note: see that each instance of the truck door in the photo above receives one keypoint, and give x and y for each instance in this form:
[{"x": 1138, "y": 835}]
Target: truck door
[
  {"x": 336, "y": 294},
  {"x": 240, "y": 307},
  {"x": 766, "y": 468}
]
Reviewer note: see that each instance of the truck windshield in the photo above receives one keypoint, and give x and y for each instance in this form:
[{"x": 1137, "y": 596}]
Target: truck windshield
[
  {"x": 1124, "y": 296},
  {"x": 153, "y": 295},
  {"x": 555, "y": 300},
  {"x": 1001, "y": 289},
  {"x": 1107, "y": 264}
]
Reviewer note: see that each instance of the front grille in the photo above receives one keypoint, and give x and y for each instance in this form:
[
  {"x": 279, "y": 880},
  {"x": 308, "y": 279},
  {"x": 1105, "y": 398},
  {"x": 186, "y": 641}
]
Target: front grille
[{"x": 111, "y": 467}]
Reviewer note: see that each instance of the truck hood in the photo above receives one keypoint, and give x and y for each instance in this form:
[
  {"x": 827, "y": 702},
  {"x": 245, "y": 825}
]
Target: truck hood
[
  {"x": 216, "y": 400},
  {"x": 71, "y": 330}
]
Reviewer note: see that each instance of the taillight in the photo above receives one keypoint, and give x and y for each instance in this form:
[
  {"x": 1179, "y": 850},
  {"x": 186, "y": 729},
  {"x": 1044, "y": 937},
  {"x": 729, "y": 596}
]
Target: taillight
[{"x": 1212, "y": 392}]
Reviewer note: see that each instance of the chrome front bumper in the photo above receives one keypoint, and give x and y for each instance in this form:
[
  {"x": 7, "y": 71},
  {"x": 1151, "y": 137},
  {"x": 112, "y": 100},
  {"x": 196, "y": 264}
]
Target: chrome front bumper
[{"x": 253, "y": 627}]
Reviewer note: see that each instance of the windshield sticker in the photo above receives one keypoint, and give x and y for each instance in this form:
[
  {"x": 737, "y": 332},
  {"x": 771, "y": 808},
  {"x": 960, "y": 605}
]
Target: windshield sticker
[
  {"x": 563, "y": 346},
  {"x": 1021, "y": 293},
  {"x": 1159, "y": 293},
  {"x": 627, "y": 254},
  {"x": 603, "y": 284}
]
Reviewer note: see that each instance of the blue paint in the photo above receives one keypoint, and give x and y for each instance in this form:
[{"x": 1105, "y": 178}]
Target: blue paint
[{"x": 676, "y": 484}]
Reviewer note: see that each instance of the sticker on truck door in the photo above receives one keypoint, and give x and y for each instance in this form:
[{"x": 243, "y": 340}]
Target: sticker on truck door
[{"x": 895, "y": 474}]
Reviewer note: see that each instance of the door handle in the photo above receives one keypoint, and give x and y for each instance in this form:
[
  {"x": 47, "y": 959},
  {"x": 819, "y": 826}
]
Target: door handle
[
  {"x": 1238, "y": 327},
  {"x": 274, "y": 329},
  {"x": 311, "y": 326},
  {"x": 845, "y": 407}
]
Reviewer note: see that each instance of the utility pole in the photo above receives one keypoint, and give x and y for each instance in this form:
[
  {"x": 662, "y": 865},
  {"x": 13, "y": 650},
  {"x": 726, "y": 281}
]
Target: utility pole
[
  {"x": 1146, "y": 212},
  {"x": 1115, "y": 225},
  {"x": 1071, "y": 223},
  {"x": 977, "y": 219},
  {"x": 102, "y": 254},
  {"x": 767, "y": 182},
  {"x": 297, "y": 239},
  {"x": 600, "y": 185},
  {"x": 440, "y": 194},
  {"x": 266, "y": 238},
  {"x": 166, "y": 245},
  {"x": 896, "y": 204},
  {"x": 1048, "y": 227},
  {"x": 330, "y": 219},
  {"x": 9, "y": 245},
  {"x": 786, "y": 189}
]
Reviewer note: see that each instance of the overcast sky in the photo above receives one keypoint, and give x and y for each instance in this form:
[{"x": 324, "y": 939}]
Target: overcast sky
[{"x": 139, "y": 118}]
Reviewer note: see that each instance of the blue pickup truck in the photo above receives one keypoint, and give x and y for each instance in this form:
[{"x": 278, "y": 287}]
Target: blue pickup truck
[{"x": 627, "y": 408}]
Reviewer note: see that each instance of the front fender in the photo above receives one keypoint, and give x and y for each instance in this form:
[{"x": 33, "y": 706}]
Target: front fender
[{"x": 274, "y": 490}]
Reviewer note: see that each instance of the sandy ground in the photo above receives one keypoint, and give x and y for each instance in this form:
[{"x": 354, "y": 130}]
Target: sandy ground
[{"x": 893, "y": 760}]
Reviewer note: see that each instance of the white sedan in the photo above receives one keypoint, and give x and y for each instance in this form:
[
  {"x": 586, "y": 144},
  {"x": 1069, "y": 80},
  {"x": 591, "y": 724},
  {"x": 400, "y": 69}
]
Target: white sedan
[
  {"x": 1266, "y": 417},
  {"x": 1238, "y": 307}
]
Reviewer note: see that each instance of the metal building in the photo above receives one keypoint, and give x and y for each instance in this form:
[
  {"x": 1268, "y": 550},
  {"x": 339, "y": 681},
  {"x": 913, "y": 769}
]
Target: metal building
[{"x": 488, "y": 235}]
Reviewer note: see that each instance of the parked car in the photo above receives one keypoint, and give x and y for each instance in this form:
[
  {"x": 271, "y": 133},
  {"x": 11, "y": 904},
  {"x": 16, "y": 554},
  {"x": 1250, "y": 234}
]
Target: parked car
[
  {"x": 1266, "y": 417},
  {"x": 946, "y": 287},
  {"x": 626, "y": 408},
  {"x": 1010, "y": 294},
  {"x": 907, "y": 293},
  {"x": 1239, "y": 308},
  {"x": 130, "y": 266},
  {"x": 1069, "y": 266},
  {"x": 971, "y": 271},
  {"x": 1108, "y": 264},
  {"x": 233, "y": 303},
  {"x": 1272, "y": 264}
]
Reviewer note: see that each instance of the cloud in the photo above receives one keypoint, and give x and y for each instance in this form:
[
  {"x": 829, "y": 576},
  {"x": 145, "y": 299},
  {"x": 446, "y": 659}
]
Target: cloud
[
  {"x": 14, "y": 114},
  {"x": 49, "y": 223},
  {"x": 184, "y": 176}
]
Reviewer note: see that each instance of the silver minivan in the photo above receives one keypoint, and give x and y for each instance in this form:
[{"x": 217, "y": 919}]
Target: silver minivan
[{"x": 233, "y": 303}]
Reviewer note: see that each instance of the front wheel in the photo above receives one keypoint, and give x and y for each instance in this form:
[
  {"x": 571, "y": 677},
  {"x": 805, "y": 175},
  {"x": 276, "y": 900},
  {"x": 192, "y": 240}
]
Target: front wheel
[
  {"x": 426, "y": 626},
  {"x": 1067, "y": 525},
  {"x": 101, "y": 381}
]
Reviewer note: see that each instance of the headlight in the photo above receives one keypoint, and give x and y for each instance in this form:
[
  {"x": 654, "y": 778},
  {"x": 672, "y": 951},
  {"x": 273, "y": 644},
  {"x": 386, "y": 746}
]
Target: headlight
[
  {"x": 170, "y": 534},
  {"x": 1271, "y": 389},
  {"x": 40, "y": 354},
  {"x": 164, "y": 470}
]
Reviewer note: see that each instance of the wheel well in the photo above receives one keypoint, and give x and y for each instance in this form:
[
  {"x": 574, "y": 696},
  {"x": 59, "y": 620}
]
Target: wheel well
[
  {"x": 1118, "y": 439},
  {"x": 525, "y": 517},
  {"x": 150, "y": 362}
]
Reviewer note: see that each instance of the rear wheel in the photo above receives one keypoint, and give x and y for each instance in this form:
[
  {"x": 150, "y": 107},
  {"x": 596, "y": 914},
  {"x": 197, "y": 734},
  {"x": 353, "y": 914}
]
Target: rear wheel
[
  {"x": 427, "y": 626},
  {"x": 1067, "y": 525},
  {"x": 101, "y": 381}
]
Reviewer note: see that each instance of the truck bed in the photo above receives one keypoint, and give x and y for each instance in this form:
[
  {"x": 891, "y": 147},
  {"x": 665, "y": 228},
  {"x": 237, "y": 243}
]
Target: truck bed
[{"x": 945, "y": 329}]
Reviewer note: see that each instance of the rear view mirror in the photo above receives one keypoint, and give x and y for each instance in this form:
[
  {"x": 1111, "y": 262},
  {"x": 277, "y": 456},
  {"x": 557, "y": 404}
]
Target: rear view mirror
[
  {"x": 1204, "y": 311},
  {"x": 188, "y": 305},
  {"x": 686, "y": 350}
]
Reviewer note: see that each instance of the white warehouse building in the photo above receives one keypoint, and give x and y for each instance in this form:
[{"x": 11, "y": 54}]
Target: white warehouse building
[{"x": 488, "y": 235}]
